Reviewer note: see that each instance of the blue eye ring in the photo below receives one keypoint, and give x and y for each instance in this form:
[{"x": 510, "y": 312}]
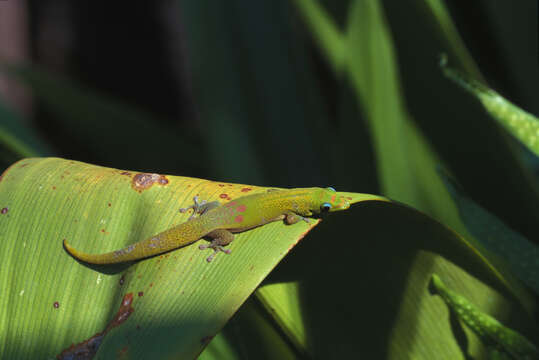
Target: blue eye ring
[
  {"x": 325, "y": 207},
  {"x": 331, "y": 189}
]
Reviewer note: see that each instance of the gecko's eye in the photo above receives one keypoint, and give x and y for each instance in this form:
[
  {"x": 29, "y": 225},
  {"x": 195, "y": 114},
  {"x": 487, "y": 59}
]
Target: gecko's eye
[
  {"x": 330, "y": 189},
  {"x": 325, "y": 207}
]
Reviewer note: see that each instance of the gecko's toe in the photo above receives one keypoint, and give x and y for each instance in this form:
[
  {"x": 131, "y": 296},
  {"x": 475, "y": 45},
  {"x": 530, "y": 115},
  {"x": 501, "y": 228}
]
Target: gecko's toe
[{"x": 216, "y": 249}]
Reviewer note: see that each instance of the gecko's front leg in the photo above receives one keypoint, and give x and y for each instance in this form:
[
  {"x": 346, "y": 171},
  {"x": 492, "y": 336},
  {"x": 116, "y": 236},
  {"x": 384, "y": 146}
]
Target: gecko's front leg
[{"x": 200, "y": 207}]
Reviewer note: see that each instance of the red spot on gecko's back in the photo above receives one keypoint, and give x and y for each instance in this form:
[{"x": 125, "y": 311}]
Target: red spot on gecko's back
[
  {"x": 223, "y": 196},
  {"x": 246, "y": 189},
  {"x": 241, "y": 208},
  {"x": 143, "y": 181},
  {"x": 333, "y": 197},
  {"x": 232, "y": 203},
  {"x": 238, "y": 218}
]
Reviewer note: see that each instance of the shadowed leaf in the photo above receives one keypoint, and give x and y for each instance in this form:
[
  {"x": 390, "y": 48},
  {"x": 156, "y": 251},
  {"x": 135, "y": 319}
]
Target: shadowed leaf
[{"x": 173, "y": 303}]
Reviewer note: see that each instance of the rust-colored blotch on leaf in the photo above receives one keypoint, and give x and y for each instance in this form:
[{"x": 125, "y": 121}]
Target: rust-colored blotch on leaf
[
  {"x": 143, "y": 181},
  {"x": 88, "y": 348}
]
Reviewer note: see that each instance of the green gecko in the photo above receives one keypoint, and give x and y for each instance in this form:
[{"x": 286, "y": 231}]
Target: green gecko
[
  {"x": 219, "y": 222},
  {"x": 503, "y": 342}
]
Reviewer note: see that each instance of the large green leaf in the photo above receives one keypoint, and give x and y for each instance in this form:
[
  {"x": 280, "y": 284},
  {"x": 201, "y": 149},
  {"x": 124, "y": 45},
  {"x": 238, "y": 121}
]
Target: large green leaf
[{"x": 177, "y": 301}]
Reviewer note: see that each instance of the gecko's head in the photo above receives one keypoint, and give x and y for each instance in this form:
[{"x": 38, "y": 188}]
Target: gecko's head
[{"x": 328, "y": 200}]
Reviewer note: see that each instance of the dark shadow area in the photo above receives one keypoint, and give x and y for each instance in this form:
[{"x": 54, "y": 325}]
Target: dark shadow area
[{"x": 352, "y": 302}]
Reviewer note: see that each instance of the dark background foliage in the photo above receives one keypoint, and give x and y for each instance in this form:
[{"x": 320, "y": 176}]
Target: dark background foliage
[{"x": 240, "y": 91}]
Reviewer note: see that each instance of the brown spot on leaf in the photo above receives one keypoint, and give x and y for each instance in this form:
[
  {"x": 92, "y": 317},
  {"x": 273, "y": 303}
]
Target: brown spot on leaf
[
  {"x": 87, "y": 349},
  {"x": 123, "y": 313},
  {"x": 4, "y": 210},
  {"x": 141, "y": 293},
  {"x": 122, "y": 280},
  {"x": 122, "y": 353},
  {"x": 143, "y": 181},
  {"x": 109, "y": 204},
  {"x": 56, "y": 304},
  {"x": 54, "y": 187}
]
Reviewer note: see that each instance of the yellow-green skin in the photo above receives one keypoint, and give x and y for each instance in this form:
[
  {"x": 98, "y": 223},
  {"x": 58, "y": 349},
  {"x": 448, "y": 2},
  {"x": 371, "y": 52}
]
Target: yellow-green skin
[{"x": 218, "y": 222}]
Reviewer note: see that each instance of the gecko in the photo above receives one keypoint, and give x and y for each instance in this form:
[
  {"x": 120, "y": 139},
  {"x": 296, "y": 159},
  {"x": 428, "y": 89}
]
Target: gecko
[
  {"x": 502, "y": 342},
  {"x": 219, "y": 222}
]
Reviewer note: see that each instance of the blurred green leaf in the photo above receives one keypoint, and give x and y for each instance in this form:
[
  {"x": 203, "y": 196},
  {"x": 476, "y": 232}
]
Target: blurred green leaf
[
  {"x": 263, "y": 116},
  {"x": 21, "y": 141},
  {"x": 438, "y": 14},
  {"x": 115, "y": 132},
  {"x": 491, "y": 332},
  {"x": 521, "y": 255},
  {"x": 521, "y": 124},
  {"x": 330, "y": 38}
]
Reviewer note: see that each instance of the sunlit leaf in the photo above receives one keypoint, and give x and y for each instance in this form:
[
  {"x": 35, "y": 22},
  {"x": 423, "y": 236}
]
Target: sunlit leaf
[{"x": 173, "y": 304}]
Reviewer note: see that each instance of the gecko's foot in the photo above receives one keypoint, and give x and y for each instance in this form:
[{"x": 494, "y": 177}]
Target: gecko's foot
[
  {"x": 216, "y": 249},
  {"x": 197, "y": 208}
]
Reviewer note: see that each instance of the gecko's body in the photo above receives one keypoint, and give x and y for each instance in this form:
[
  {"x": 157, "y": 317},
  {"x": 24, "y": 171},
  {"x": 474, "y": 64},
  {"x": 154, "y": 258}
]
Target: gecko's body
[{"x": 218, "y": 222}]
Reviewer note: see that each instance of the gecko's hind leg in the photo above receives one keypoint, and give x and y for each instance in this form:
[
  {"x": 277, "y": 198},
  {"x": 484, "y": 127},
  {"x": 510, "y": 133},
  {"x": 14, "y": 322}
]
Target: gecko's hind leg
[{"x": 221, "y": 238}]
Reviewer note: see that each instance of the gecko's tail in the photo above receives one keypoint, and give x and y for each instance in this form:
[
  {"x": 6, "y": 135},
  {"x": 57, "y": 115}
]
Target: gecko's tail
[{"x": 114, "y": 257}]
